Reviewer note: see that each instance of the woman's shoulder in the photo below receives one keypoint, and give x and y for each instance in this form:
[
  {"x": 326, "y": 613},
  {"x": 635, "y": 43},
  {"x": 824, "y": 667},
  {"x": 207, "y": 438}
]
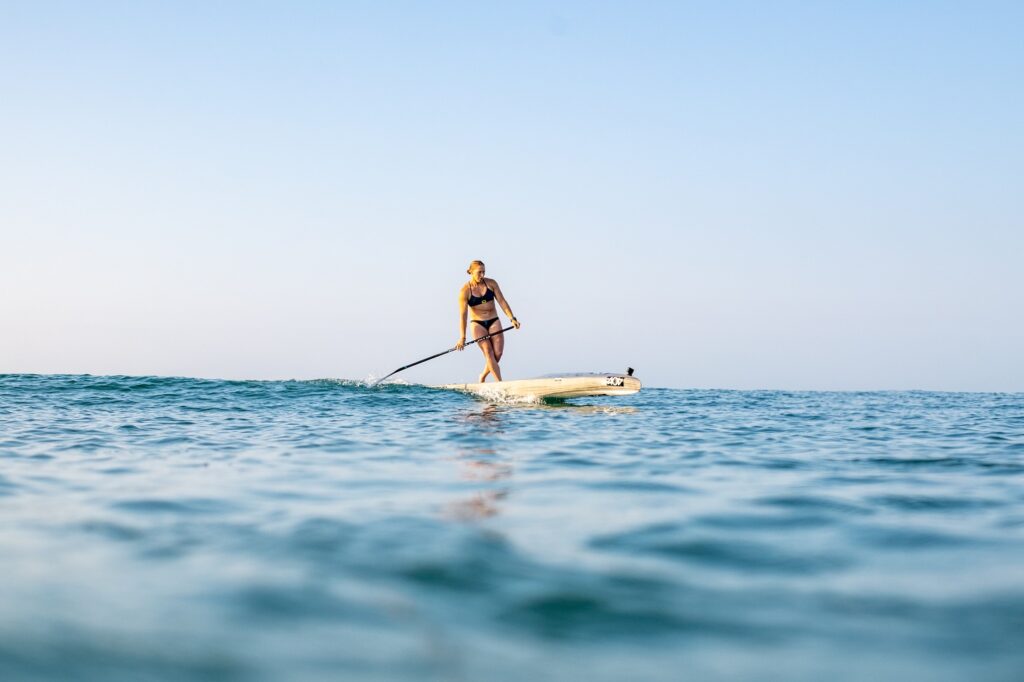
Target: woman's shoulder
[{"x": 490, "y": 282}]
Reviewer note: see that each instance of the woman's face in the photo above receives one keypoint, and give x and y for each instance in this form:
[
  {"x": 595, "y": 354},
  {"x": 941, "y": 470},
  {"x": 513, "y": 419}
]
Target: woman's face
[{"x": 478, "y": 273}]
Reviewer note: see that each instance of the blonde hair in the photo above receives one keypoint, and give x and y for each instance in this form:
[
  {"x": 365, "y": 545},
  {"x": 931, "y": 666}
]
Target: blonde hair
[{"x": 480, "y": 263}]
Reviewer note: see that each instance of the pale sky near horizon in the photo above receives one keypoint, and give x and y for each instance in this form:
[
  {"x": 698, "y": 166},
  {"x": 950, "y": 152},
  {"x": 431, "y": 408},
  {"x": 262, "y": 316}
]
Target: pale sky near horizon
[{"x": 781, "y": 195}]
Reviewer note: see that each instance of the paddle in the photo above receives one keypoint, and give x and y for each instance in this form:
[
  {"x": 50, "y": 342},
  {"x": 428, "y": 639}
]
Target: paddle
[{"x": 444, "y": 352}]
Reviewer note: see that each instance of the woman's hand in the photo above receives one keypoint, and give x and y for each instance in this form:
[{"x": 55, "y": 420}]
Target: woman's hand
[
  {"x": 461, "y": 344},
  {"x": 515, "y": 323}
]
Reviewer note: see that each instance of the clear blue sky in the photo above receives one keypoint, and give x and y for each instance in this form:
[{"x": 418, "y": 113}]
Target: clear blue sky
[{"x": 799, "y": 195}]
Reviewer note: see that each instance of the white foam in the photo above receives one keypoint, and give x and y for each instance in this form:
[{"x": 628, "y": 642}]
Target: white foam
[{"x": 371, "y": 381}]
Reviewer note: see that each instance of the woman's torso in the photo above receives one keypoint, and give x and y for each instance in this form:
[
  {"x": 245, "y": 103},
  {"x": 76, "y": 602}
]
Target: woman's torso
[{"x": 482, "y": 295}]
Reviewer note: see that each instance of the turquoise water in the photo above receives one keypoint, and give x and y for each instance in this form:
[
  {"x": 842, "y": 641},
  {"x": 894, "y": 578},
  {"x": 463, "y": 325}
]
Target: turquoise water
[{"x": 179, "y": 529}]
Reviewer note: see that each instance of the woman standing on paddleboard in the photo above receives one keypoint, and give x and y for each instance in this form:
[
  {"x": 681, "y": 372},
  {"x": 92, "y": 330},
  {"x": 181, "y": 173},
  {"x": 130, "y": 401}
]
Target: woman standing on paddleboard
[{"x": 477, "y": 296}]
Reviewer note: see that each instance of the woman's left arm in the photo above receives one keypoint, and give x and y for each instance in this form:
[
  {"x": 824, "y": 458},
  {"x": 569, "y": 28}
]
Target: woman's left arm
[{"x": 504, "y": 304}]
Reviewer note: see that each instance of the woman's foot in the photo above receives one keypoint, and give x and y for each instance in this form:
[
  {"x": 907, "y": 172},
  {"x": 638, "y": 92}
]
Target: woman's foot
[{"x": 483, "y": 376}]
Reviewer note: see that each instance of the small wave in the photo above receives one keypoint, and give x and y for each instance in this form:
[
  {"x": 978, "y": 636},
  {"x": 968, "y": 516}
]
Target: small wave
[
  {"x": 165, "y": 506},
  {"x": 674, "y": 541},
  {"x": 906, "y": 538},
  {"x": 933, "y": 503}
]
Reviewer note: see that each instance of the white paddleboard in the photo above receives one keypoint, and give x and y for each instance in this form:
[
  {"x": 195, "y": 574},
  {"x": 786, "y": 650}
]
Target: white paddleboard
[{"x": 564, "y": 386}]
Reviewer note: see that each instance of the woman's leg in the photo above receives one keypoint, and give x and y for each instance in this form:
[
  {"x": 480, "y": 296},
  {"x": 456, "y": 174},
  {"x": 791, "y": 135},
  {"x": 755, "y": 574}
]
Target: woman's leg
[
  {"x": 491, "y": 366},
  {"x": 498, "y": 342}
]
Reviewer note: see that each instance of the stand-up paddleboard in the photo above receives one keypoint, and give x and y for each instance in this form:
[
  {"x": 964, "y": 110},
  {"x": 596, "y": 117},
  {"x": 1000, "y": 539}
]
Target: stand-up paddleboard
[{"x": 561, "y": 386}]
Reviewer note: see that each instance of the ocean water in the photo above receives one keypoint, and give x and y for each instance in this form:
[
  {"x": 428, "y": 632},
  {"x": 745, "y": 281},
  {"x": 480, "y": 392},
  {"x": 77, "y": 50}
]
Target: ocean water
[{"x": 180, "y": 529}]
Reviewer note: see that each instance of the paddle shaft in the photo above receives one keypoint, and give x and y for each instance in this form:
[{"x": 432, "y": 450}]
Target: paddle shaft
[{"x": 444, "y": 352}]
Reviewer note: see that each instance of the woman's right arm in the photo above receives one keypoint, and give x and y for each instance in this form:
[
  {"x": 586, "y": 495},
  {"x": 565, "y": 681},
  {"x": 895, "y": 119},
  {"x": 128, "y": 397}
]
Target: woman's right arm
[{"x": 463, "y": 310}]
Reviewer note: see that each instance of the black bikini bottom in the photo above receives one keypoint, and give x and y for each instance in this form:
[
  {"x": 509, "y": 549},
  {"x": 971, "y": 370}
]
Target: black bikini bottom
[{"x": 486, "y": 324}]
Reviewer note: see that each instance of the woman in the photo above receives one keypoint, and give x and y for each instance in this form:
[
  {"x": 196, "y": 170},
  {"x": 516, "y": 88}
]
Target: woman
[{"x": 478, "y": 296}]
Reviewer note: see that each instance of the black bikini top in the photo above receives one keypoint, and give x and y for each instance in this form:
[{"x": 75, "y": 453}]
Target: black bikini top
[{"x": 477, "y": 300}]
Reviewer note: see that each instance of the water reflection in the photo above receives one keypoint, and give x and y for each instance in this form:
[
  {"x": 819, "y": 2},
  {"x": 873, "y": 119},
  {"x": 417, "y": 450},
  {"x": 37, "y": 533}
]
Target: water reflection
[
  {"x": 484, "y": 465},
  {"x": 488, "y": 419},
  {"x": 492, "y": 468}
]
